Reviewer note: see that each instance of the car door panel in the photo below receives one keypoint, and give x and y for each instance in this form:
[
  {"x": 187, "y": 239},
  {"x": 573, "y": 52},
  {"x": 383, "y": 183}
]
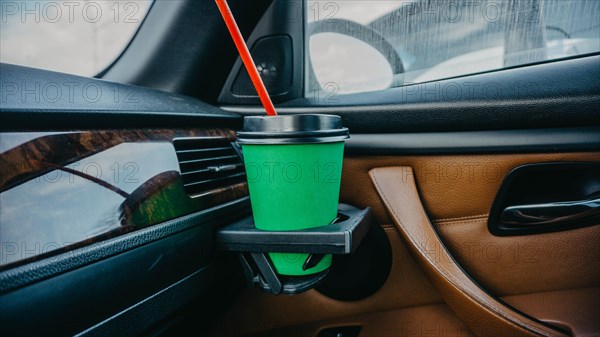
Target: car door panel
[
  {"x": 573, "y": 310},
  {"x": 436, "y": 319},
  {"x": 484, "y": 314},
  {"x": 457, "y": 192}
]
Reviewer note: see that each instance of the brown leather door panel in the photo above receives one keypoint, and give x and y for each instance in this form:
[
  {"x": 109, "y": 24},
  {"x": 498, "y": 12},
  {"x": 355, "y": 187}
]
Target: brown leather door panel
[
  {"x": 552, "y": 277},
  {"x": 452, "y": 187},
  {"x": 483, "y": 314},
  {"x": 524, "y": 264}
]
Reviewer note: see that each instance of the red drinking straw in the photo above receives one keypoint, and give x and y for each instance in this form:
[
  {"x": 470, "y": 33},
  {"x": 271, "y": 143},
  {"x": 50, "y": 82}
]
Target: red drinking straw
[{"x": 240, "y": 44}]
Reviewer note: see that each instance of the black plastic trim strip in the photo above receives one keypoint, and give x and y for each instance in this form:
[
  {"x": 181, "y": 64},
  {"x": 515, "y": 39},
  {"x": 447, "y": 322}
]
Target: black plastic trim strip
[
  {"x": 550, "y": 95},
  {"x": 476, "y": 142},
  {"x": 281, "y": 19},
  {"x": 71, "y": 302},
  {"x": 136, "y": 319},
  {"x": 21, "y": 276},
  {"x": 48, "y": 120}
]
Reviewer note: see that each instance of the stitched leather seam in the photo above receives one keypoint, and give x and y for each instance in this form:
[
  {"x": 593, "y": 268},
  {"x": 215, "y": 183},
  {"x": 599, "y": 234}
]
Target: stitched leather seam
[
  {"x": 459, "y": 222},
  {"x": 478, "y": 300},
  {"x": 462, "y": 217},
  {"x": 481, "y": 301}
]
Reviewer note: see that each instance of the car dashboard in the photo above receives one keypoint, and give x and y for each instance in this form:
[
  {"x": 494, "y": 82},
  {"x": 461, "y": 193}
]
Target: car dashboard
[{"x": 114, "y": 209}]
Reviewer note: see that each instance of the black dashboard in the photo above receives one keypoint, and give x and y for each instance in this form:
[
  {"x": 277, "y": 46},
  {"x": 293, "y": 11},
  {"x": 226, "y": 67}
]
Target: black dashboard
[{"x": 109, "y": 197}]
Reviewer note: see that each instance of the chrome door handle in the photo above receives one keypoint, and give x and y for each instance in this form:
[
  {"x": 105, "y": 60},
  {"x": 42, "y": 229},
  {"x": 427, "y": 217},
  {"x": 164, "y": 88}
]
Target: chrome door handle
[{"x": 551, "y": 213}]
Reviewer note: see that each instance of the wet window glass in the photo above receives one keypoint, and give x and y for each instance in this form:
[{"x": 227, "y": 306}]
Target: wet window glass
[
  {"x": 358, "y": 46},
  {"x": 75, "y": 36}
]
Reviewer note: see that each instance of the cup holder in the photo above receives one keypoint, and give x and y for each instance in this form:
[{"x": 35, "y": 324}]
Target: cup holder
[
  {"x": 359, "y": 275},
  {"x": 342, "y": 237}
]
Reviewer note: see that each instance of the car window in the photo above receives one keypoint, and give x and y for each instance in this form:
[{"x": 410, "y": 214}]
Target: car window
[
  {"x": 357, "y": 46},
  {"x": 77, "y": 37}
]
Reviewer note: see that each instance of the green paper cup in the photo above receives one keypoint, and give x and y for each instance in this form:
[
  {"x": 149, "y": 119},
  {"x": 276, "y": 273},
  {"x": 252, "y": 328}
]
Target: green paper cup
[{"x": 294, "y": 168}]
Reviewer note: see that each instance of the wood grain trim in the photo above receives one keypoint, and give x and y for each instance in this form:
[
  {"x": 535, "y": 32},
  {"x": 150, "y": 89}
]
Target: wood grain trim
[
  {"x": 68, "y": 214},
  {"x": 33, "y": 158}
]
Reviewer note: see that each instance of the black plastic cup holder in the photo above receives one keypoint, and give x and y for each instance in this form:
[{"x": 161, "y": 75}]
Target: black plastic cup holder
[{"x": 342, "y": 236}]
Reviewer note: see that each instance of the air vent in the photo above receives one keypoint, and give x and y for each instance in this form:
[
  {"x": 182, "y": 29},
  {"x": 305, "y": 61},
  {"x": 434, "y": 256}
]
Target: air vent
[{"x": 208, "y": 163}]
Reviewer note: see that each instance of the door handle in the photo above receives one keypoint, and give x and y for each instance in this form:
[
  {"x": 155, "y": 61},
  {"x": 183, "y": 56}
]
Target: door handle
[
  {"x": 397, "y": 189},
  {"x": 551, "y": 213},
  {"x": 547, "y": 197}
]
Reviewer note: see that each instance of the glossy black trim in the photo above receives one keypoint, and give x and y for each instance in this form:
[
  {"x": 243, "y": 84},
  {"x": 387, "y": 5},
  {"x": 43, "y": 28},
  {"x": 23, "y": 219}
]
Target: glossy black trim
[
  {"x": 544, "y": 183},
  {"x": 476, "y": 142},
  {"x": 21, "y": 276}
]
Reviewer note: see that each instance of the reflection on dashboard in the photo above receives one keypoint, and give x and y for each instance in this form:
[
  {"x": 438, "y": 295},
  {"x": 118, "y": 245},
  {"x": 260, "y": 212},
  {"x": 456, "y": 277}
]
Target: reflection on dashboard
[{"x": 63, "y": 190}]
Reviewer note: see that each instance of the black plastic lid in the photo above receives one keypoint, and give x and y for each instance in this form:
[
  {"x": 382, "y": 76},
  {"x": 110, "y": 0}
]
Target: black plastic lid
[{"x": 292, "y": 129}]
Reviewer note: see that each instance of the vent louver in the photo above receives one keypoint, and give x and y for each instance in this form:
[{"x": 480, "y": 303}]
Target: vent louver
[{"x": 208, "y": 163}]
